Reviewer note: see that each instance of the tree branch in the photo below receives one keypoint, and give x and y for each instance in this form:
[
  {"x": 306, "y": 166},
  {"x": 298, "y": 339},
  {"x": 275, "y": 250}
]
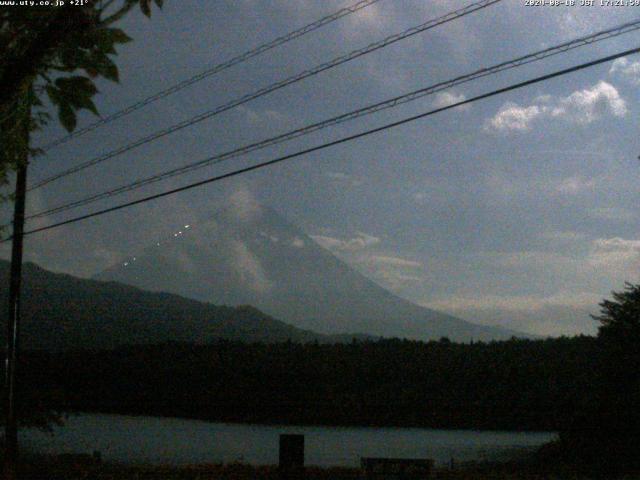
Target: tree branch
[
  {"x": 126, "y": 8},
  {"x": 18, "y": 73}
]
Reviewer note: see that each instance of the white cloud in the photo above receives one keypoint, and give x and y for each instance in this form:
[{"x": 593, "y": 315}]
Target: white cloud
[
  {"x": 574, "y": 185},
  {"x": 370, "y": 16},
  {"x": 244, "y": 205},
  {"x": 361, "y": 241},
  {"x": 531, "y": 259},
  {"x": 584, "y": 106},
  {"x": 503, "y": 185},
  {"x": 629, "y": 71},
  {"x": 564, "y": 236},
  {"x": 615, "y": 254},
  {"x": 513, "y": 117},
  {"x": 575, "y": 22},
  {"x": 395, "y": 272},
  {"x": 564, "y": 313},
  {"x": 612, "y": 213},
  {"x": 581, "y": 107},
  {"x": 393, "y": 261},
  {"x": 344, "y": 178},
  {"x": 395, "y": 280},
  {"x": 273, "y": 238},
  {"x": 420, "y": 196},
  {"x": 249, "y": 268},
  {"x": 444, "y": 99},
  {"x": 516, "y": 303},
  {"x": 263, "y": 116}
]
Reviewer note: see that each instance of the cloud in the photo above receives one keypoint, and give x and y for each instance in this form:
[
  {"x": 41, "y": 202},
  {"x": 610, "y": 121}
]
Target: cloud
[
  {"x": 269, "y": 116},
  {"x": 273, "y": 238},
  {"x": 344, "y": 178},
  {"x": 504, "y": 185},
  {"x": 249, "y": 267},
  {"x": 612, "y": 213},
  {"x": 615, "y": 254},
  {"x": 629, "y": 71},
  {"x": 243, "y": 205},
  {"x": 563, "y": 237},
  {"x": 513, "y": 117},
  {"x": 370, "y": 16},
  {"x": 395, "y": 280},
  {"x": 444, "y": 99},
  {"x": 393, "y": 261},
  {"x": 584, "y": 106},
  {"x": 574, "y": 185},
  {"x": 581, "y": 107},
  {"x": 361, "y": 241},
  {"x": 564, "y": 313},
  {"x": 516, "y": 303},
  {"x": 574, "y": 22},
  {"x": 395, "y": 272},
  {"x": 531, "y": 259}
]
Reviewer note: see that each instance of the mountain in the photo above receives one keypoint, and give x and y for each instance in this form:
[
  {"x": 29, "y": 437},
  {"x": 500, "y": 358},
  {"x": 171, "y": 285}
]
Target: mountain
[
  {"x": 63, "y": 312},
  {"x": 249, "y": 254}
]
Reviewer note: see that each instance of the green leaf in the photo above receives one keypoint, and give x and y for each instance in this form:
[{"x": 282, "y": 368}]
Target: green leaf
[
  {"x": 106, "y": 38},
  {"x": 109, "y": 70},
  {"x": 71, "y": 94},
  {"x": 67, "y": 117},
  {"x": 75, "y": 87},
  {"x": 54, "y": 94},
  {"x": 101, "y": 64},
  {"x": 145, "y": 7},
  {"x": 118, "y": 36}
]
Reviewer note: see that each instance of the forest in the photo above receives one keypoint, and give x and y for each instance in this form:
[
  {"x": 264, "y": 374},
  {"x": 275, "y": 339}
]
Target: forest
[{"x": 516, "y": 384}]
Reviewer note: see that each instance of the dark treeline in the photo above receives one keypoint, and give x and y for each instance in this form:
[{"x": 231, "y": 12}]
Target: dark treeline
[{"x": 517, "y": 384}]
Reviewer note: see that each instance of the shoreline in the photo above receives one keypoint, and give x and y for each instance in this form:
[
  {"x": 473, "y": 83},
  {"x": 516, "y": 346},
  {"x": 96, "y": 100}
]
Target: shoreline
[{"x": 284, "y": 424}]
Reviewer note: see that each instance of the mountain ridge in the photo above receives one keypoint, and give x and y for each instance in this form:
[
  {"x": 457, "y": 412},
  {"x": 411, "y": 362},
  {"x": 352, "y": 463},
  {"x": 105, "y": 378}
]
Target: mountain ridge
[{"x": 60, "y": 311}]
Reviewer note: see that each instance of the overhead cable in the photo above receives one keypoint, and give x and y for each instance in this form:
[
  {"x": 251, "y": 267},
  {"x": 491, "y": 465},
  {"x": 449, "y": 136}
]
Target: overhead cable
[
  {"x": 370, "y": 109},
  {"x": 213, "y": 71},
  {"x": 271, "y": 88},
  {"x": 335, "y": 142}
]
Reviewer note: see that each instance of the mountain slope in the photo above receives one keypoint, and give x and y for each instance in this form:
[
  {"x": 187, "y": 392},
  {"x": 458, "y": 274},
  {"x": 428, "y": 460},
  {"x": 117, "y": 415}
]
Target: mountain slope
[
  {"x": 249, "y": 254},
  {"x": 62, "y": 312}
]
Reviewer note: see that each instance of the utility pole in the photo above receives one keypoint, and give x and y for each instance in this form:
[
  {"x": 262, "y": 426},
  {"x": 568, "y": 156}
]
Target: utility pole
[{"x": 13, "y": 307}]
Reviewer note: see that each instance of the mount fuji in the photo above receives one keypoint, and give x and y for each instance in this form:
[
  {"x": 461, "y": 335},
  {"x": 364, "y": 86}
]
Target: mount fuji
[{"x": 249, "y": 254}]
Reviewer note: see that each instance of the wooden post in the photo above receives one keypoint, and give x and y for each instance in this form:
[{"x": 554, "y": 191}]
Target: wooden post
[
  {"x": 13, "y": 324},
  {"x": 291, "y": 457},
  {"x": 13, "y": 307}
]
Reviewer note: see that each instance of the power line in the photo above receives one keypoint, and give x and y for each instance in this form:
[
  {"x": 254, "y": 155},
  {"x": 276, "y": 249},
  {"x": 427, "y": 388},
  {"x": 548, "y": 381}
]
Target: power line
[
  {"x": 393, "y": 102},
  {"x": 214, "y": 70},
  {"x": 336, "y": 142},
  {"x": 273, "y": 87}
]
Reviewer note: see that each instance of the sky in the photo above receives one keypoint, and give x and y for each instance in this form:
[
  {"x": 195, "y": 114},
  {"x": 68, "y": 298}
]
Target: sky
[{"x": 518, "y": 210}]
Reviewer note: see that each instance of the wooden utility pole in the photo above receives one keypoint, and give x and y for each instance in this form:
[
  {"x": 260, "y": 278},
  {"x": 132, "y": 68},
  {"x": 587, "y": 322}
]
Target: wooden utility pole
[{"x": 13, "y": 307}]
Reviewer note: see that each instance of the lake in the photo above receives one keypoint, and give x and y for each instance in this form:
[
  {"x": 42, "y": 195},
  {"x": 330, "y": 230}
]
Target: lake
[{"x": 172, "y": 441}]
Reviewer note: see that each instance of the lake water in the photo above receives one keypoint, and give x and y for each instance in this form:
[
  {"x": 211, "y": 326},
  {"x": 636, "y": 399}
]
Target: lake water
[{"x": 151, "y": 440}]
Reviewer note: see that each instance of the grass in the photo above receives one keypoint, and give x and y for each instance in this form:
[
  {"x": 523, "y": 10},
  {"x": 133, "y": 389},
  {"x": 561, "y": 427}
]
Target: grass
[{"x": 55, "y": 468}]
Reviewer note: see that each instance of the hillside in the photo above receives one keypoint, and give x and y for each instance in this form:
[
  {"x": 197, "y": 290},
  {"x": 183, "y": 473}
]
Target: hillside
[{"x": 61, "y": 312}]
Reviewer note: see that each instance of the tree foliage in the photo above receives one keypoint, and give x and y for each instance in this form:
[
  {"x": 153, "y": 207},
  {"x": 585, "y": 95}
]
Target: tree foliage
[
  {"x": 517, "y": 384},
  {"x": 53, "y": 53},
  {"x": 57, "y": 53},
  {"x": 620, "y": 318},
  {"x": 605, "y": 433}
]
